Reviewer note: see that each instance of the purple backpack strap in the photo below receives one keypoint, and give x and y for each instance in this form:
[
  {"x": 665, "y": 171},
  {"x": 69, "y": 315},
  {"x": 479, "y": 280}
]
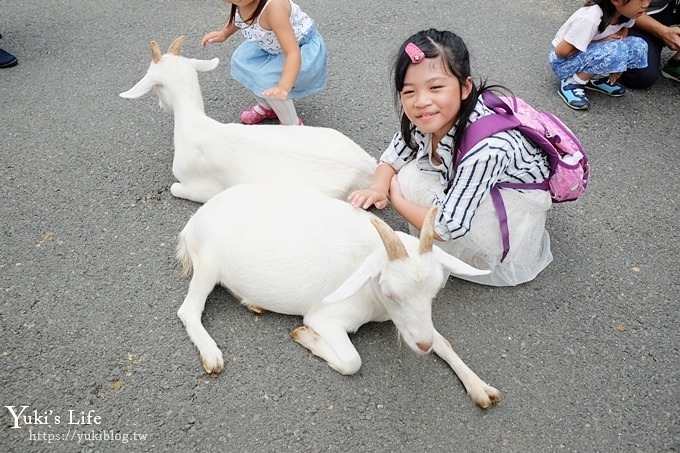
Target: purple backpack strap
[
  {"x": 484, "y": 127},
  {"x": 502, "y": 215}
]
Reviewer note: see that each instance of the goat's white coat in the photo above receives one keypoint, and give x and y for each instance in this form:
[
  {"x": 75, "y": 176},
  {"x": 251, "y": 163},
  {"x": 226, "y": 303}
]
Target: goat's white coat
[
  {"x": 210, "y": 156},
  {"x": 293, "y": 250}
]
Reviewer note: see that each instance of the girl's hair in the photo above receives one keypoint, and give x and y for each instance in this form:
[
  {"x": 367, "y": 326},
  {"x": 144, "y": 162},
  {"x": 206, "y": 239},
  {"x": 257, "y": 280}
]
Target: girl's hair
[
  {"x": 608, "y": 10},
  {"x": 454, "y": 54},
  {"x": 252, "y": 18}
]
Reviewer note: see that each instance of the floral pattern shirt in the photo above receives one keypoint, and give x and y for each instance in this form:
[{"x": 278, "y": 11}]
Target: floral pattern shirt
[{"x": 300, "y": 21}]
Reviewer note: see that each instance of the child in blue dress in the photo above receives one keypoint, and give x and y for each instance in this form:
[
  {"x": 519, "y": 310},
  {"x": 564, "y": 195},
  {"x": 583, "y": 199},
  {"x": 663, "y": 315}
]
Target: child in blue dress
[
  {"x": 592, "y": 49},
  {"x": 283, "y": 57}
]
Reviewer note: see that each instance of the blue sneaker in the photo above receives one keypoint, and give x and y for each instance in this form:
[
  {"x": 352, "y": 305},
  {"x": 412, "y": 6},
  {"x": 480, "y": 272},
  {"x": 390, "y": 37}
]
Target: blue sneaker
[
  {"x": 7, "y": 59},
  {"x": 603, "y": 86},
  {"x": 573, "y": 94}
]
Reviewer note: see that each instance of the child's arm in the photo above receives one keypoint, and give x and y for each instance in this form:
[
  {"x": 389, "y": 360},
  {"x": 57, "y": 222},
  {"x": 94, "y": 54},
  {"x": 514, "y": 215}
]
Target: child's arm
[
  {"x": 565, "y": 49},
  {"x": 219, "y": 35},
  {"x": 277, "y": 18},
  {"x": 377, "y": 193}
]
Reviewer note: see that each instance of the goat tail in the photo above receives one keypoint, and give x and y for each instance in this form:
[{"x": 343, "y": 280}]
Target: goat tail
[{"x": 183, "y": 256}]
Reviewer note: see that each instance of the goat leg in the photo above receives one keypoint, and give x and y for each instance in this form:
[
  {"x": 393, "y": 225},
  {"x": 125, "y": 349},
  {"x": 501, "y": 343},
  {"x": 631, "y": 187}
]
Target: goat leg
[
  {"x": 190, "y": 314},
  {"x": 479, "y": 391},
  {"x": 333, "y": 346}
]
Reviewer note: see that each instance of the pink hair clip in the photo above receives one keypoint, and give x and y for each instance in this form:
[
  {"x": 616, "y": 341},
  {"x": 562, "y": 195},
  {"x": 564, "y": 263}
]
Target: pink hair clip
[{"x": 414, "y": 52}]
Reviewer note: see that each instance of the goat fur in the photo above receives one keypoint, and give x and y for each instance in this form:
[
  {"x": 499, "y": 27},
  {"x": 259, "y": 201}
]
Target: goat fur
[
  {"x": 295, "y": 251},
  {"x": 211, "y": 156}
]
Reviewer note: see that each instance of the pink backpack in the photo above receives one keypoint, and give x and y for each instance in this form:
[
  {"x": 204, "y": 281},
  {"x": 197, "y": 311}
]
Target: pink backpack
[{"x": 569, "y": 169}]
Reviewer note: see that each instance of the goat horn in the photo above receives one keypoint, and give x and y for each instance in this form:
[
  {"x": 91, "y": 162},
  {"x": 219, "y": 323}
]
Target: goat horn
[
  {"x": 176, "y": 45},
  {"x": 427, "y": 231},
  {"x": 155, "y": 52},
  {"x": 393, "y": 245}
]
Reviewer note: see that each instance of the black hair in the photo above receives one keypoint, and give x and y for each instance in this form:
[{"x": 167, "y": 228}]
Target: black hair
[
  {"x": 250, "y": 20},
  {"x": 608, "y": 10},
  {"x": 456, "y": 59}
]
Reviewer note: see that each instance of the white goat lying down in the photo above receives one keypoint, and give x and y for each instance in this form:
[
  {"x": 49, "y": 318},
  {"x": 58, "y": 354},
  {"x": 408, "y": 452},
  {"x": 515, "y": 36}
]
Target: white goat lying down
[
  {"x": 293, "y": 250},
  {"x": 210, "y": 156}
]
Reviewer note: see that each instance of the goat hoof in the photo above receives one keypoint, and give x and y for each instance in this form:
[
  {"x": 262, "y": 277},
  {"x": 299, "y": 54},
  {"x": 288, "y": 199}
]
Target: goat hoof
[
  {"x": 213, "y": 365},
  {"x": 304, "y": 335},
  {"x": 489, "y": 396},
  {"x": 257, "y": 310}
]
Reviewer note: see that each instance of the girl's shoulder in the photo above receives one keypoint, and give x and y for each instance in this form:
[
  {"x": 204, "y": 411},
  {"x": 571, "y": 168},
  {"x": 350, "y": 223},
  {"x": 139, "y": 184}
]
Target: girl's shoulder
[
  {"x": 504, "y": 142},
  {"x": 590, "y": 12},
  {"x": 276, "y": 8}
]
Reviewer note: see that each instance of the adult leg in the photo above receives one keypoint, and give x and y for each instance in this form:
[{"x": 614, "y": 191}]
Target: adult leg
[{"x": 645, "y": 77}]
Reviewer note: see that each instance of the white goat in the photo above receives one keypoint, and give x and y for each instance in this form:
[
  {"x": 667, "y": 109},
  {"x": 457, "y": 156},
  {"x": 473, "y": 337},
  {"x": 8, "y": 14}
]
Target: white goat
[
  {"x": 293, "y": 250},
  {"x": 210, "y": 156}
]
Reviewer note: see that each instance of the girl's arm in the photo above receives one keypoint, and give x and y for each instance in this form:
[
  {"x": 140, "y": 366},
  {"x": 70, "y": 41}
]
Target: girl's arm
[
  {"x": 219, "y": 35},
  {"x": 377, "y": 193},
  {"x": 565, "y": 49},
  {"x": 276, "y": 17}
]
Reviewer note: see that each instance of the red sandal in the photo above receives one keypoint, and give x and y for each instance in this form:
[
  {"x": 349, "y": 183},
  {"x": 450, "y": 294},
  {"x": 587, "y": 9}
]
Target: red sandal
[{"x": 256, "y": 114}]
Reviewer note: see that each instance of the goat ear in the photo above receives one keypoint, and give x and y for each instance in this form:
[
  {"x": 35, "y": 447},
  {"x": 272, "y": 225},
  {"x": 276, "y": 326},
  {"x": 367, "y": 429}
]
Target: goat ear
[
  {"x": 456, "y": 266},
  {"x": 140, "y": 89},
  {"x": 369, "y": 268},
  {"x": 204, "y": 65}
]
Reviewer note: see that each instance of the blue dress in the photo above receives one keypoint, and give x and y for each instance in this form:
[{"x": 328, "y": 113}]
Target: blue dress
[{"x": 258, "y": 62}]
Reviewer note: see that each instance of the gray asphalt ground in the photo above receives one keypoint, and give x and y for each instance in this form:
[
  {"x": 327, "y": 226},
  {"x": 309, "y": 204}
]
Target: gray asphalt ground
[{"x": 586, "y": 355}]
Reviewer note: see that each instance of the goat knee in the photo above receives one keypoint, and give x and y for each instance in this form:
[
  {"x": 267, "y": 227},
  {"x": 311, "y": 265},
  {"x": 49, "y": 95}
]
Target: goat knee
[
  {"x": 348, "y": 365},
  {"x": 337, "y": 351}
]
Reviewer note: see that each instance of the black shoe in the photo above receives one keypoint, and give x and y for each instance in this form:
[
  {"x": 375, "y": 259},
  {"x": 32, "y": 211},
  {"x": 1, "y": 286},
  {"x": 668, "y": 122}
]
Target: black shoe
[{"x": 7, "y": 59}]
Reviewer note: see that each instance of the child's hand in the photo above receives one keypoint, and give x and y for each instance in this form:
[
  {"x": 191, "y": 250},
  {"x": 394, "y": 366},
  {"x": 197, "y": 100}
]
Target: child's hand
[
  {"x": 213, "y": 37},
  {"x": 276, "y": 92},
  {"x": 366, "y": 197},
  {"x": 616, "y": 36}
]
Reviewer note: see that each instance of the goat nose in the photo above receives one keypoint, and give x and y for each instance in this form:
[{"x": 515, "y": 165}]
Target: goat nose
[{"x": 424, "y": 346}]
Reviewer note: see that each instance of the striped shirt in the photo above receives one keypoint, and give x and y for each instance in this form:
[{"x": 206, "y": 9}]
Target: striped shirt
[{"x": 504, "y": 157}]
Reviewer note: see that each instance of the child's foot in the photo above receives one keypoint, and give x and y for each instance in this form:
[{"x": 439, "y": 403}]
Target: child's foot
[
  {"x": 573, "y": 94},
  {"x": 672, "y": 70},
  {"x": 256, "y": 114},
  {"x": 603, "y": 86}
]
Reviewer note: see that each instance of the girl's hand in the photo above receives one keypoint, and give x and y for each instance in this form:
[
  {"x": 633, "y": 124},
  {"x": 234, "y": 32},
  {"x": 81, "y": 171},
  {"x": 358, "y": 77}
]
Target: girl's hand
[
  {"x": 615, "y": 36},
  {"x": 366, "y": 197},
  {"x": 276, "y": 92},
  {"x": 214, "y": 37},
  {"x": 613, "y": 77}
]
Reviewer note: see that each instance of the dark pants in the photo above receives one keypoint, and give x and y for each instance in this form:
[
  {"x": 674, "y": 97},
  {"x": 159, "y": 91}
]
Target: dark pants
[{"x": 645, "y": 77}]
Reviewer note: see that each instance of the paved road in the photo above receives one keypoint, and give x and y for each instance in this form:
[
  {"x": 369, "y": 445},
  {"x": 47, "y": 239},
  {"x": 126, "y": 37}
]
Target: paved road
[{"x": 586, "y": 355}]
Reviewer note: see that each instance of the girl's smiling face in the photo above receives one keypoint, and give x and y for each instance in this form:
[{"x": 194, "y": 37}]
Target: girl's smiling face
[{"x": 431, "y": 97}]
